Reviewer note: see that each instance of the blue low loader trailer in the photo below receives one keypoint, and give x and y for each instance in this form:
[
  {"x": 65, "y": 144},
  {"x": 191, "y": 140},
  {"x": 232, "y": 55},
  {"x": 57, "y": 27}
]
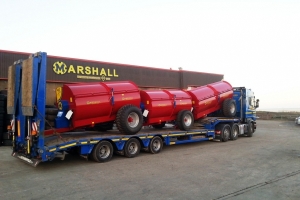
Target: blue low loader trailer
[{"x": 31, "y": 143}]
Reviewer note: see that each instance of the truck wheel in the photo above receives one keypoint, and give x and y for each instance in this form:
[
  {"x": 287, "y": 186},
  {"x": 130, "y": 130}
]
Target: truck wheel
[
  {"x": 156, "y": 145},
  {"x": 229, "y": 108},
  {"x": 159, "y": 126},
  {"x": 185, "y": 120},
  {"x": 234, "y": 132},
  {"x": 129, "y": 120},
  {"x": 253, "y": 128},
  {"x": 132, "y": 148},
  {"x": 102, "y": 152},
  {"x": 225, "y": 131},
  {"x": 250, "y": 129}
]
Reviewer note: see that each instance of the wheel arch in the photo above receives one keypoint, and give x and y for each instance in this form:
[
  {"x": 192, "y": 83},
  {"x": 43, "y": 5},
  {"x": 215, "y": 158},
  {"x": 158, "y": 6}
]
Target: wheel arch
[
  {"x": 161, "y": 137},
  {"x": 115, "y": 148}
]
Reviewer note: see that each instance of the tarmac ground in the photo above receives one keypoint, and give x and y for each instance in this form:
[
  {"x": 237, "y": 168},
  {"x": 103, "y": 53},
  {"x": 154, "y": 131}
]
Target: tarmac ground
[{"x": 265, "y": 166}]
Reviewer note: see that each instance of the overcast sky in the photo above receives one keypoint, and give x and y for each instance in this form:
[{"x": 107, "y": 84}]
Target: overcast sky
[{"x": 254, "y": 43}]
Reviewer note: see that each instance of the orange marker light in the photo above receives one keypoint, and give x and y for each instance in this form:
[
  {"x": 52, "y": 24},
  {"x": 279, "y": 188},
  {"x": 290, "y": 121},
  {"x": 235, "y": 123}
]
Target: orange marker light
[{"x": 33, "y": 133}]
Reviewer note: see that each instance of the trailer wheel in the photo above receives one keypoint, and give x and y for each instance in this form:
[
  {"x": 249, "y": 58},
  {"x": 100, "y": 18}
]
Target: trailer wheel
[
  {"x": 156, "y": 145},
  {"x": 225, "y": 131},
  {"x": 102, "y": 152},
  {"x": 159, "y": 126},
  {"x": 50, "y": 117},
  {"x": 51, "y": 123},
  {"x": 51, "y": 111},
  {"x": 250, "y": 129},
  {"x": 129, "y": 120},
  {"x": 229, "y": 108},
  {"x": 234, "y": 132},
  {"x": 185, "y": 120},
  {"x": 132, "y": 148}
]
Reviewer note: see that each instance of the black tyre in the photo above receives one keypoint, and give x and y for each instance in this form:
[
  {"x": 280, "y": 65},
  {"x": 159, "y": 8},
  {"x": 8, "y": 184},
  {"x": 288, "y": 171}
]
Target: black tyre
[
  {"x": 129, "y": 120},
  {"x": 2, "y": 104},
  {"x": 156, "y": 145},
  {"x": 225, "y": 131},
  {"x": 51, "y": 111},
  {"x": 185, "y": 120},
  {"x": 250, "y": 129},
  {"x": 253, "y": 128},
  {"x": 1, "y": 117},
  {"x": 132, "y": 148},
  {"x": 50, "y": 123},
  {"x": 2, "y": 110},
  {"x": 229, "y": 108},
  {"x": 103, "y": 151},
  {"x": 50, "y": 117},
  {"x": 50, "y": 106},
  {"x": 159, "y": 126},
  {"x": 234, "y": 132}
]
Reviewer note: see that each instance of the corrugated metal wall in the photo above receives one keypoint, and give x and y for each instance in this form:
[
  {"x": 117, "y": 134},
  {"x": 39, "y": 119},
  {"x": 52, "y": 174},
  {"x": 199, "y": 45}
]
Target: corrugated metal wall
[
  {"x": 7, "y": 59},
  {"x": 199, "y": 79}
]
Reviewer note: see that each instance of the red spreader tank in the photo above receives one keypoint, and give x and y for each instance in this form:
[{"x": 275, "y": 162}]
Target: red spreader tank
[
  {"x": 93, "y": 103},
  {"x": 210, "y": 98},
  {"x": 161, "y": 106}
]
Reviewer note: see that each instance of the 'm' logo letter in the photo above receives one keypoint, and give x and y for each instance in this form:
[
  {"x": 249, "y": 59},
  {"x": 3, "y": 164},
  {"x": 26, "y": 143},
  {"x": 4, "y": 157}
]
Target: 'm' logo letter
[{"x": 59, "y": 67}]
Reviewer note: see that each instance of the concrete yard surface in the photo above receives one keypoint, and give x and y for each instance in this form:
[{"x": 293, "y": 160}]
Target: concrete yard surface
[{"x": 266, "y": 166}]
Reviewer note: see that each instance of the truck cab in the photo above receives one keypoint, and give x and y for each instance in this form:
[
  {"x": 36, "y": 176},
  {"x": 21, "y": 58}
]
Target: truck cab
[{"x": 246, "y": 106}]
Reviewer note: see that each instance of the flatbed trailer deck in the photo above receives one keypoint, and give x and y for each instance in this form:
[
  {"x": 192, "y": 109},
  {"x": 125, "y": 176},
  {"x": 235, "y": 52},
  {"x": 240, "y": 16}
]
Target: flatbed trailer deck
[
  {"x": 32, "y": 144},
  {"x": 63, "y": 141},
  {"x": 84, "y": 141},
  {"x": 71, "y": 139}
]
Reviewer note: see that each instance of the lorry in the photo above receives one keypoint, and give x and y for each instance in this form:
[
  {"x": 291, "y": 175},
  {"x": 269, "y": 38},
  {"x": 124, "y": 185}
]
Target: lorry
[{"x": 96, "y": 120}]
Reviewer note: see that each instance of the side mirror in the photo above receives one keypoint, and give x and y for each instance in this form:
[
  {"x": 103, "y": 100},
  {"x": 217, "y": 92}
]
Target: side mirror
[{"x": 257, "y": 103}]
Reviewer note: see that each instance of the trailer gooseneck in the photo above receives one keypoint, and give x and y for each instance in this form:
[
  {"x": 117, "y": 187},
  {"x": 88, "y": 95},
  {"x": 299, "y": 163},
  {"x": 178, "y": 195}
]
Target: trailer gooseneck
[{"x": 97, "y": 119}]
